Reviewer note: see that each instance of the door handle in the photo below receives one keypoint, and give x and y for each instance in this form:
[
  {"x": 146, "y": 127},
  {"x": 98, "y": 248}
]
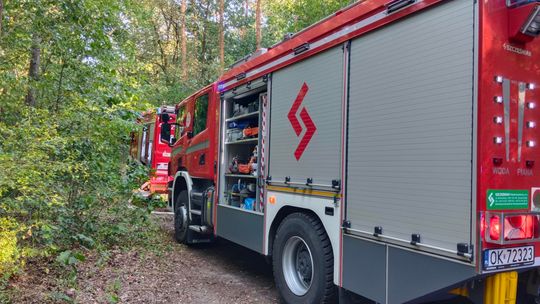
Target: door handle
[{"x": 202, "y": 159}]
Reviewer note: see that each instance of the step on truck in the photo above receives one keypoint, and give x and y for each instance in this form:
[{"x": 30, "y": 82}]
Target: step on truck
[
  {"x": 388, "y": 153},
  {"x": 150, "y": 146}
]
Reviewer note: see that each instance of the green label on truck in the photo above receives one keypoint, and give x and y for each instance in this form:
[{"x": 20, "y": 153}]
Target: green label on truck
[{"x": 507, "y": 199}]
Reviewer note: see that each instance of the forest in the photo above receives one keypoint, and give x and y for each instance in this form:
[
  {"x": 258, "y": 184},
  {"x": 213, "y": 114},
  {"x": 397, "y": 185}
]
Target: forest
[{"x": 74, "y": 74}]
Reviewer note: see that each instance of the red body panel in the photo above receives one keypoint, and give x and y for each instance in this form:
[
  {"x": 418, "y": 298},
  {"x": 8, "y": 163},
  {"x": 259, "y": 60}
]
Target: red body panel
[
  {"x": 501, "y": 55},
  {"x": 187, "y": 153}
]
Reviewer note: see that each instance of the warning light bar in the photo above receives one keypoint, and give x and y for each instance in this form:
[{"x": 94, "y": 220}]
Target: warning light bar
[{"x": 510, "y": 228}]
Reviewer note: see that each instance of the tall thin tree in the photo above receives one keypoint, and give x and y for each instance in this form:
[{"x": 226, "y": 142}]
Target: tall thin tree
[
  {"x": 258, "y": 24},
  {"x": 221, "y": 36},
  {"x": 33, "y": 70},
  {"x": 243, "y": 29},
  {"x": 1, "y": 15},
  {"x": 183, "y": 47},
  {"x": 204, "y": 38}
]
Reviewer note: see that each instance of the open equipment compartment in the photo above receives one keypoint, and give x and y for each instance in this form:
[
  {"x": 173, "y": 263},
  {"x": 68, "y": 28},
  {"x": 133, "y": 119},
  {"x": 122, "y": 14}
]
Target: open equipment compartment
[{"x": 240, "y": 145}]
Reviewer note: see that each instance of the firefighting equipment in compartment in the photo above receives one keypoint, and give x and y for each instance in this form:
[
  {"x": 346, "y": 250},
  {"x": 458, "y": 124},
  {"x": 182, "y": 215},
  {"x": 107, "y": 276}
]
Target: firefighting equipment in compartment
[
  {"x": 249, "y": 203},
  {"x": 251, "y": 132},
  {"x": 242, "y": 124},
  {"x": 233, "y": 167},
  {"x": 244, "y": 168},
  {"x": 238, "y": 167},
  {"x": 242, "y": 195},
  {"x": 253, "y": 162},
  {"x": 253, "y": 106},
  {"x": 234, "y": 135},
  {"x": 239, "y": 109}
]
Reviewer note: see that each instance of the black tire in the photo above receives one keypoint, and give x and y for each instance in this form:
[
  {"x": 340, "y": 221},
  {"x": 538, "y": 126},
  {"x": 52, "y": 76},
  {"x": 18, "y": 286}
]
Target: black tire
[
  {"x": 181, "y": 219},
  {"x": 307, "y": 233}
]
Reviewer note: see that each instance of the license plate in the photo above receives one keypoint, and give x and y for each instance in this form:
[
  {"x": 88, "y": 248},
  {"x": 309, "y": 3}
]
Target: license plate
[{"x": 508, "y": 257}]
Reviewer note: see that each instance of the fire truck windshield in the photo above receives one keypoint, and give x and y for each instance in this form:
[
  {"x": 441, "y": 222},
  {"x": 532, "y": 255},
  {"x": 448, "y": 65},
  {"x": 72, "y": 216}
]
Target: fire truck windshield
[
  {"x": 516, "y": 3},
  {"x": 180, "y": 122}
]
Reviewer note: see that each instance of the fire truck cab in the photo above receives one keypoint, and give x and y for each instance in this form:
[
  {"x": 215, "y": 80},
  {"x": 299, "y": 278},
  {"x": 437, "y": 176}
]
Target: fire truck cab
[
  {"x": 150, "y": 146},
  {"x": 388, "y": 153}
]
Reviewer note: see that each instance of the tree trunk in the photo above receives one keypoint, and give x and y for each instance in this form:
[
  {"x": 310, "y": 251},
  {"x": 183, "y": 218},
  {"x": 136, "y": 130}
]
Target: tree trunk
[
  {"x": 33, "y": 71},
  {"x": 243, "y": 30},
  {"x": 177, "y": 43},
  {"x": 1, "y": 15},
  {"x": 59, "y": 90},
  {"x": 202, "y": 58},
  {"x": 258, "y": 24},
  {"x": 221, "y": 36},
  {"x": 183, "y": 47}
]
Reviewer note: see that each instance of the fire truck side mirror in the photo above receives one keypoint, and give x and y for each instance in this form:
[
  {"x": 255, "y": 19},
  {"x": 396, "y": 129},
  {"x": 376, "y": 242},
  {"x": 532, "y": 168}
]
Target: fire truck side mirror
[
  {"x": 173, "y": 141},
  {"x": 165, "y": 136}
]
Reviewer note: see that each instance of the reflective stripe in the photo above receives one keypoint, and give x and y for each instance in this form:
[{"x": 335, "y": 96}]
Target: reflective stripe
[
  {"x": 176, "y": 151},
  {"x": 308, "y": 192},
  {"x": 197, "y": 147},
  {"x": 194, "y": 148}
]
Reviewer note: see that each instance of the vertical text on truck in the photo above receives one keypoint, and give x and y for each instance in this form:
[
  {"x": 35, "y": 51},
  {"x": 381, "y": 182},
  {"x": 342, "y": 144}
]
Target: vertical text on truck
[{"x": 389, "y": 151}]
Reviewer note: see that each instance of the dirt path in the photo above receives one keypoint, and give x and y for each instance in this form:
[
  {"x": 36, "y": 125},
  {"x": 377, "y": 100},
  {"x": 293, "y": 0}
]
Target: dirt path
[{"x": 219, "y": 273}]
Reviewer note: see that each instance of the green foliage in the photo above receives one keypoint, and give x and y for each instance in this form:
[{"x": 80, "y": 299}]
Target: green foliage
[
  {"x": 112, "y": 291},
  {"x": 60, "y": 297},
  {"x": 291, "y": 16},
  {"x": 64, "y": 176},
  {"x": 9, "y": 252},
  {"x": 70, "y": 258},
  {"x": 4, "y": 296},
  {"x": 65, "y": 179}
]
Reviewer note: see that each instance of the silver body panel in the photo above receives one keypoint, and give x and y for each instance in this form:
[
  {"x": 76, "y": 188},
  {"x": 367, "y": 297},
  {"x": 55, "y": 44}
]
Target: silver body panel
[
  {"x": 392, "y": 274},
  {"x": 323, "y": 74},
  {"x": 410, "y": 148}
]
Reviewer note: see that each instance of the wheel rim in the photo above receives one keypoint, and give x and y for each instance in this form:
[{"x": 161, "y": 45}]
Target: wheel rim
[{"x": 297, "y": 265}]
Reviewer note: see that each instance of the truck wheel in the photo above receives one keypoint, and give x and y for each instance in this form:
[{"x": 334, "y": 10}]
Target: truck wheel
[
  {"x": 181, "y": 220},
  {"x": 303, "y": 261}
]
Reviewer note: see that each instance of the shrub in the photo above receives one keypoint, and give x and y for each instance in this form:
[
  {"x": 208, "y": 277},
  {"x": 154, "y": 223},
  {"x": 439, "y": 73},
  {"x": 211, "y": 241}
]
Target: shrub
[{"x": 9, "y": 251}]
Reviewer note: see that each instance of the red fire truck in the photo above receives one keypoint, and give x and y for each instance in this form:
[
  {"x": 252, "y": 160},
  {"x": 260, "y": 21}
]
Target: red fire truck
[
  {"x": 150, "y": 146},
  {"x": 389, "y": 151}
]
